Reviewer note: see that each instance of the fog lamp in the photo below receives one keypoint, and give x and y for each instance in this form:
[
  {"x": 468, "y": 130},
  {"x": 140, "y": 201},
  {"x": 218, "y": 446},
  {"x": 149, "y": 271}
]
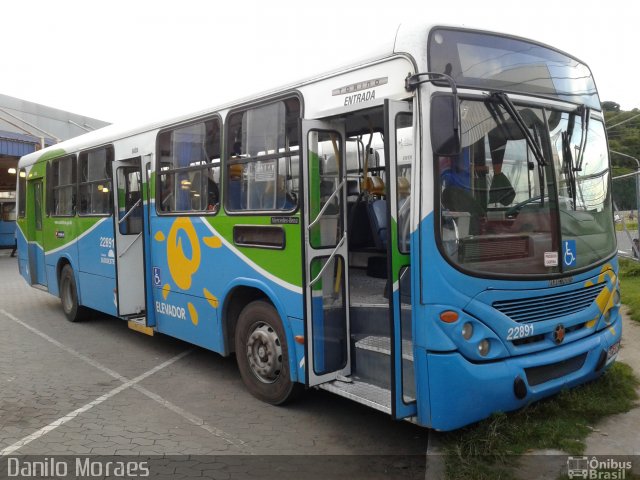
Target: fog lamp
[
  {"x": 483, "y": 347},
  {"x": 467, "y": 331},
  {"x": 616, "y": 297}
]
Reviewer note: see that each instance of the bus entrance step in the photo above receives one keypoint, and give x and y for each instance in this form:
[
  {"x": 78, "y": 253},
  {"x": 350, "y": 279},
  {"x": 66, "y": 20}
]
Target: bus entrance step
[
  {"x": 372, "y": 363},
  {"x": 361, "y": 392},
  {"x": 383, "y": 345}
]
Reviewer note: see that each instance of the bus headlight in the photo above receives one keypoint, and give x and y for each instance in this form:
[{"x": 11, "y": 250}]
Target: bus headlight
[
  {"x": 616, "y": 297},
  {"x": 483, "y": 347},
  {"x": 467, "y": 331},
  {"x": 472, "y": 338}
]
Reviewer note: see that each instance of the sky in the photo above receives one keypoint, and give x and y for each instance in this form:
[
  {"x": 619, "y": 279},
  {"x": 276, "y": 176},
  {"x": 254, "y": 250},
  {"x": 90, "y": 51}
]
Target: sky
[{"x": 139, "y": 60}]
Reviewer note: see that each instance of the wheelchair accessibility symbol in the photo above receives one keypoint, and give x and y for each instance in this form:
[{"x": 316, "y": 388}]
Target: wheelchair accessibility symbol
[
  {"x": 157, "y": 279},
  {"x": 569, "y": 254}
]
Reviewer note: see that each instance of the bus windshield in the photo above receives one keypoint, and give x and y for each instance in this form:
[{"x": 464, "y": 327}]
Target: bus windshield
[
  {"x": 482, "y": 60},
  {"x": 505, "y": 210}
]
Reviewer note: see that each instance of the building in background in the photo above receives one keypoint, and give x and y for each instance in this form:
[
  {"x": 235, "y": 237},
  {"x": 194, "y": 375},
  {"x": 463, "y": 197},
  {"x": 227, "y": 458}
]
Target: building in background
[{"x": 26, "y": 127}]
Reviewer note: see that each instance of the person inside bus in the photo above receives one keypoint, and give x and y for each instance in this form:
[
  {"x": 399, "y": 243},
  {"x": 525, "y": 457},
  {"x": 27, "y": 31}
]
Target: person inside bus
[
  {"x": 213, "y": 195},
  {"x": 457, "y": 194},
  {"x": 235, "y": 171},
  {"x": 501, "y": 190},
  {"x": 166, "y": 193}
]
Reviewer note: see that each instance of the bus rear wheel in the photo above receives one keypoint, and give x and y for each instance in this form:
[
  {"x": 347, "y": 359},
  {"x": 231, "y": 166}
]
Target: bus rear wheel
[
  {"x": 262, "y": 354},
  {"x": 69, "y": 295}
]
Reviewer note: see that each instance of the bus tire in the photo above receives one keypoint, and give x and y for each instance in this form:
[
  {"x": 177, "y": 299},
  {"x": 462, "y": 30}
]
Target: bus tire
[
  {"x": 262, "y": 354},
  {"x": 69, "y": 295}
]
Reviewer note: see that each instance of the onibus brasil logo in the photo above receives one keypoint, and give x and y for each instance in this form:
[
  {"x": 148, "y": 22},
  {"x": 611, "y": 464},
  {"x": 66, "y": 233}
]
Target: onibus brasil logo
[{"x": 594, "y": 468}]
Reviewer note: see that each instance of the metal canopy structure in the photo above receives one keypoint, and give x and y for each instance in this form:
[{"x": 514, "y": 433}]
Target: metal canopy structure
[{"x": 26, "y": 127}]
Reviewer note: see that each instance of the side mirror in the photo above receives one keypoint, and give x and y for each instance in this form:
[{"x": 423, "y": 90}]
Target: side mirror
[{"x": 445, "y": 124}]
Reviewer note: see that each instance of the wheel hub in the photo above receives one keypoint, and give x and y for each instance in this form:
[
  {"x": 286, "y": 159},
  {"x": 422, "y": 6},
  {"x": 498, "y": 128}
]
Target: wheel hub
[{"x": 264, "y": 352}]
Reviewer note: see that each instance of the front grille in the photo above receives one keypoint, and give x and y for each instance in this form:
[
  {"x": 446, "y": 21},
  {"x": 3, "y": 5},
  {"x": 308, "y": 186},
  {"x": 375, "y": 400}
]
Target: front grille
[
  {"x": 535, "y": 309},
  {"x": 538, "y": 375},
  {"x": 527, "y": 340}
]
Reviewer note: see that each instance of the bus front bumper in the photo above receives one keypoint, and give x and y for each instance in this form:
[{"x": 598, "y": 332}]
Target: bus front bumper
[{"x": 459, "y": 392}]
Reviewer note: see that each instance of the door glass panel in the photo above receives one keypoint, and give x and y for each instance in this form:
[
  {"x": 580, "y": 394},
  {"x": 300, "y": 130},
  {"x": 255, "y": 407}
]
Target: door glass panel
[
  {"x": 129, "y": 201},
  {"x": 37, "y": 204},
  {"x": 325, "y": 174},
  {"x": 22, "y": 192},
  {"x": 328, "y": 313},
  {"x": 404, "y": 157},
  {"x": 408, "y": 380}
]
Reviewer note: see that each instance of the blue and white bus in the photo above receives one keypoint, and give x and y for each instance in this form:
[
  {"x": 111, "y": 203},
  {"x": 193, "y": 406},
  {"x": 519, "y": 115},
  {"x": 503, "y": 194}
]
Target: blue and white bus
[{"x": 428, "y": 232}]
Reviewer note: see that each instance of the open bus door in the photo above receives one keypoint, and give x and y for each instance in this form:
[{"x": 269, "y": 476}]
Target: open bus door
[
  {"x": 35, "y": 206},
  {"x": 399, "y": 147},
  {"x": 326, "y": 253},
  {"x": 129, "y": 241}
]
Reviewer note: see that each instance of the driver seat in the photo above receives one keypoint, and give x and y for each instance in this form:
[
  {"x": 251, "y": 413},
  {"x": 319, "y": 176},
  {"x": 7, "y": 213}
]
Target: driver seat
[{"x": 459, "y": 199}]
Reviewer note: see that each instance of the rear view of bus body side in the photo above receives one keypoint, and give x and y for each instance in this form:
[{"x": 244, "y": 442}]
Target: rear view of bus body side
[{"x": 428, "y": 233}]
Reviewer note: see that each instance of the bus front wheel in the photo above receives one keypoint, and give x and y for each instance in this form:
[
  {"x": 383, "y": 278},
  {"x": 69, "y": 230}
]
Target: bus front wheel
[
  {"x": 69, "y": 295},
  {"x": 262, "y": 354}
]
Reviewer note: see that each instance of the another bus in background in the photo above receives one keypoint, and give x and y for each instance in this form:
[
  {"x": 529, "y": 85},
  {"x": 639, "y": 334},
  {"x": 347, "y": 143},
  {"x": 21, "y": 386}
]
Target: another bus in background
[{"x": 8, "y": 221}]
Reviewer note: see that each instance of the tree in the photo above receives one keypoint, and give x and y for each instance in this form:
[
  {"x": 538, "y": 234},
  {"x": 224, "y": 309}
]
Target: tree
[{"x": 610, "y": 106}]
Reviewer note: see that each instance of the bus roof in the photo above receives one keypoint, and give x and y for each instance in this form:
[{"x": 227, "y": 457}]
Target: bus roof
[
  {"x": 409, "y": 39},
  {"x": 118, "y": 131}
]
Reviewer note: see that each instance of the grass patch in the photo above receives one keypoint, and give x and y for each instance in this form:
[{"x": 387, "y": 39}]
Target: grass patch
[
  {"x": 485, "y": 450},
  {"x": 632, "y": 226},
  {"x": 630, "y": 286}
]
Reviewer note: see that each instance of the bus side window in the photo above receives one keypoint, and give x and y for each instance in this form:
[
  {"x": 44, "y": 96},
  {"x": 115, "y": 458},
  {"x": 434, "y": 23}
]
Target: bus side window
[
  {"x": 263, "y": 163},
  {"x": 213, "y": 192},
  {"x": 236, "y": 172},
  {"x": 165, "y": 186},
  {"x": 62, "y": 186},
  {"x": 188, "y": 168},
  {"x": 94, "y": 182}
]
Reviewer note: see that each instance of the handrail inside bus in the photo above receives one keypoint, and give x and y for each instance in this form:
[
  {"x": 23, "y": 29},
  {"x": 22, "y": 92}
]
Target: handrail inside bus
[
  {"x": 326, "y": 204},
  {"x": 333, "y": 254},
  {"x": 130, "y": 210},
  {"x": 130, "y": 245}
]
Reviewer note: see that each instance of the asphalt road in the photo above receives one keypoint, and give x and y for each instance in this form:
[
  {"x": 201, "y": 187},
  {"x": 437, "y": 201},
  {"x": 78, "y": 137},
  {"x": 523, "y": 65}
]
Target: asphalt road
[{"x": 99, "y": 388}]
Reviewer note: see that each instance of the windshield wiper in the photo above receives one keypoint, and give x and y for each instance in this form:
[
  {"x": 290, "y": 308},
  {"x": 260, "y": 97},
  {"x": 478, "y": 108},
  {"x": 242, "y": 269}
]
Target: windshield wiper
[
  {"x": 585, "y": 114},
  {"x": 570, "y": 166},
  {"x": 567, "y": 165},
  {"x": 532, "y": 142}
]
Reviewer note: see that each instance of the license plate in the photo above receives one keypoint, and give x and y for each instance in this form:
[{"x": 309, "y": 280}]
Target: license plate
[{"x": 613, "y": 352}]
